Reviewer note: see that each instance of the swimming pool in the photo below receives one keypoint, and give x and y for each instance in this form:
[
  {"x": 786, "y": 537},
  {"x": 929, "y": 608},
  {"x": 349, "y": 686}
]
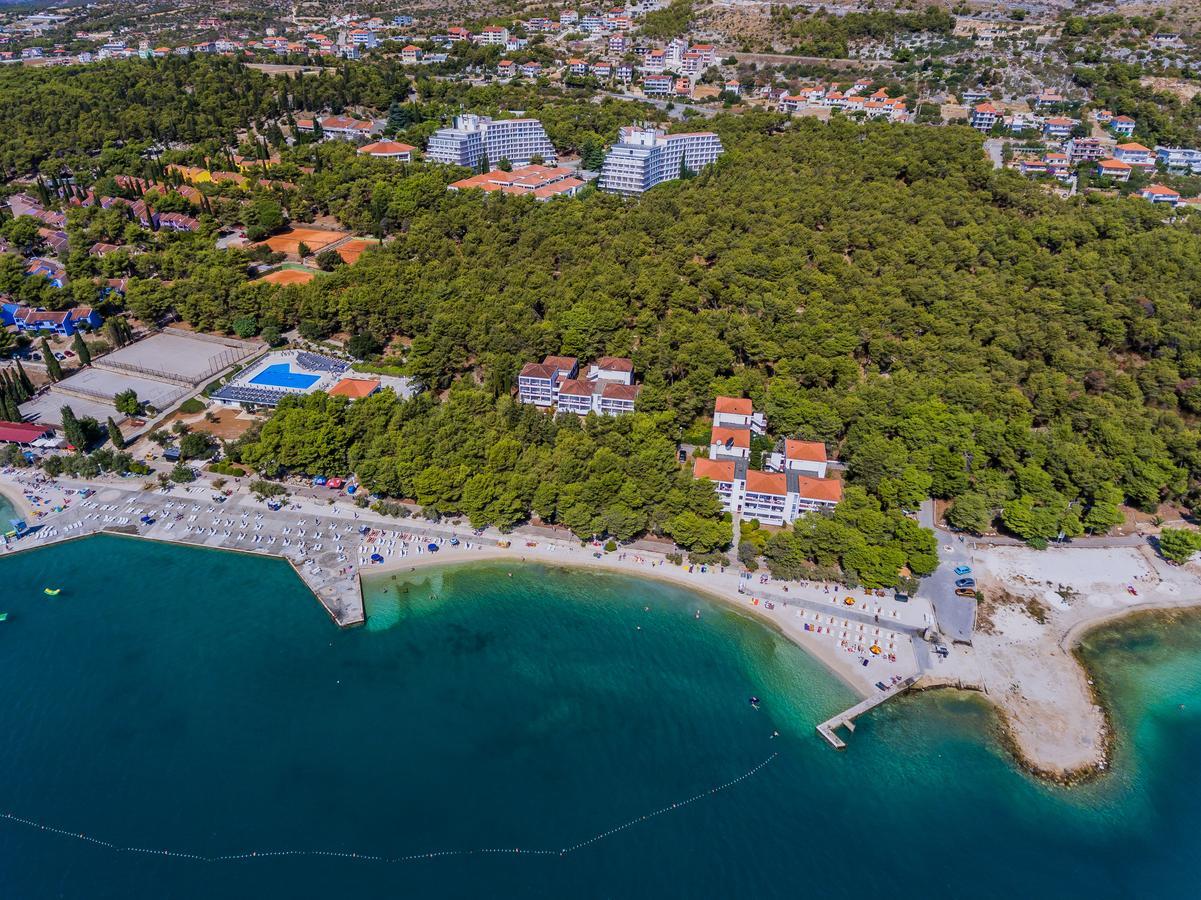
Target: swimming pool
[{"x": 281, "y": 375}]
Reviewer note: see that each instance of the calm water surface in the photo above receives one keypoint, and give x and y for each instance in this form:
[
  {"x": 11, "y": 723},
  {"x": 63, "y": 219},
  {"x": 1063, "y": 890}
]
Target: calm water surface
[{"x": 174, "y": 698}]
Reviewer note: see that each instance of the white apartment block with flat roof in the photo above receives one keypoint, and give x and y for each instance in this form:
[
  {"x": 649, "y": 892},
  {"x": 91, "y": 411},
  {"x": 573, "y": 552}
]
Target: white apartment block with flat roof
[
  {"x": 645, "y": 157},
  {"x": 474, "y": 137}
]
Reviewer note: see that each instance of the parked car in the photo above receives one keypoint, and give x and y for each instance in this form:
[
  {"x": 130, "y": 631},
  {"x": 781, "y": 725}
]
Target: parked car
[
  {"x": 59, "y": 356},
  {"x": 965, "y": 592},
  {"x": 963, "y": 570},
  {"x": 966, "y": 582}
]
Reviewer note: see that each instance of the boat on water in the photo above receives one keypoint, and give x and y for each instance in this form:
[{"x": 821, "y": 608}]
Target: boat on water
[
  {"x": 52, "y": 592},
  {"x": 3, "y": 617},
  {"x": 754, "y": 702}
]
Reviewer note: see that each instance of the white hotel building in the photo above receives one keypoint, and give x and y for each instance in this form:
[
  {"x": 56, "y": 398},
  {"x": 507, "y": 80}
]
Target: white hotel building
[
  {"x": 608, "y": 389},
  {"x": 798, "y": 485},
  {"x": 645, "y": 157},
  {"x": 474, "y": 137}
]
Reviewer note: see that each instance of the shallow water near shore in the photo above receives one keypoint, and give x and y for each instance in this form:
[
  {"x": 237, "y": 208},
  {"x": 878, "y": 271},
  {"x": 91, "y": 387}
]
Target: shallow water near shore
[{"x": 196, "y": 701}]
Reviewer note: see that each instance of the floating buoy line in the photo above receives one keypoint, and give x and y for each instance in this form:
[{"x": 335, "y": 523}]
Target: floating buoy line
[{"x": 371, "y": 857}]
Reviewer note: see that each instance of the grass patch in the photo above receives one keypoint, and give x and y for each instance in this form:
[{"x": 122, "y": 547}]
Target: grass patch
[{"x": 191, "y": 406}]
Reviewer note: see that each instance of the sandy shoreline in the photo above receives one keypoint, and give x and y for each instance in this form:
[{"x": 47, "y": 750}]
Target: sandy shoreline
[
  {"x": 16, "y": 499},
  {"x": 1023, "y": 656},
  {"x": 827, "y": 655}
]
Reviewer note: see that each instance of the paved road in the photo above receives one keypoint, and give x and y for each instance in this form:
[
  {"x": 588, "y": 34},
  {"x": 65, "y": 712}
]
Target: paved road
[
  {"x": 956, "y": 615},
  {"x": 993, "y": 148}
]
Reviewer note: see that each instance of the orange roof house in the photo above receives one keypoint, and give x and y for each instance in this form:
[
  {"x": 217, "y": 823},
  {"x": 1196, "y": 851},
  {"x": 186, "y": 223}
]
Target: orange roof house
[{"x": 355, "y": 388}]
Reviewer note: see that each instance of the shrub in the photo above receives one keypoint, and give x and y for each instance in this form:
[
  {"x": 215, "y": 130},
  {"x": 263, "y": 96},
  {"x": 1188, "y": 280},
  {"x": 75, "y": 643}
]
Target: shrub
[{"x": 182, "y": 474}]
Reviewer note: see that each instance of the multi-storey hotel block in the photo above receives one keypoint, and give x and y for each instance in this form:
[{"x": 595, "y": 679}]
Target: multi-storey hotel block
[
  {"x": 793, "y": 483},
  {"x": 474, "y": 138},
  {"x": 607, "y": 388},
  {"x": 645, "y": 157}
]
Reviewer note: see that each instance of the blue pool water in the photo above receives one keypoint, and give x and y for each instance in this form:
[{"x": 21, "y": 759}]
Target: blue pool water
[{"x": 281, "y": 375}]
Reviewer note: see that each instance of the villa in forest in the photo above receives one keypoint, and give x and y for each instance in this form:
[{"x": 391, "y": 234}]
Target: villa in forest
[
  {"x": 793, "y": 481},
  {"x": 606, "y": 389}
]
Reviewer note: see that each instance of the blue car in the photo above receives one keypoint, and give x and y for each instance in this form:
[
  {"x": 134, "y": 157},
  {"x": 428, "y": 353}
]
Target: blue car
[
  {"x": 963, "y": 570},
  {"x": 965, "y": 582}
]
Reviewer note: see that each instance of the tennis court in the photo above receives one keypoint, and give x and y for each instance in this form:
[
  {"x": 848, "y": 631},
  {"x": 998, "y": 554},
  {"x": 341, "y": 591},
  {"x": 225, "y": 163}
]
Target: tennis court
[
  {"x": 288, "y": 276},
  {"x": 314, "y": 238},
  {"x": 281, "y": 375}
]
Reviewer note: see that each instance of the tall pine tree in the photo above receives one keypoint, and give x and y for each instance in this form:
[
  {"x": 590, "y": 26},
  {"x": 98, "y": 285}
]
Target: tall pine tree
[
  {"x": 26, "y": 382},
  {"x": 114, "y": 434},
  {"x": 73, "y": 430},
  {"x": 53, "y": 369},
  {"x": 81, "y": 350}
]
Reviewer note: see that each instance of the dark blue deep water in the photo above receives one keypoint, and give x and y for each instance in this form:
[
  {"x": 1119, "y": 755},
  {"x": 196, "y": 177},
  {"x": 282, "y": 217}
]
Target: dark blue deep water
[{"x": 202, "y": 702}]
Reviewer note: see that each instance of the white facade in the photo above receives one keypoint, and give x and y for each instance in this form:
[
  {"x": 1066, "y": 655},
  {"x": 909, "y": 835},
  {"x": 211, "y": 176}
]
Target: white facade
[
  {"x": 493, "y": 36},
  {"x": 644, "y": 157},
  {"x": 1179, "y": 160},
  {"x": 474, "y": 137}
]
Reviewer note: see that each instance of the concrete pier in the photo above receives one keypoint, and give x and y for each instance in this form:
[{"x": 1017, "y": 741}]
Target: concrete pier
[
  {"x": 846, "y": 718},
  {"x": 309, "y": 542}
]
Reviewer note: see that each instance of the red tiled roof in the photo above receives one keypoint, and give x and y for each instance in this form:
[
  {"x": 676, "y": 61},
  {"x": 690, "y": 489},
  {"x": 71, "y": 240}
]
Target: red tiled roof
[
  {"x": 575, "y": 387},
  {"x": 766, "y": 482},
  {"x": 614, "y": 391},
  {"x": 812, "y": 451},
  {"x": 615, "y": 364},
  {"x": 355, "y": 388},
  {"x": 386, "y": 148},
  {"x": 537, "y": 370},
  {"x": 562, "y": 363},
  {"x": 829, "y": 489},
  {"x": 740, "y": 436},
  {"x": 713, "y": 469},
  {"x": 738, "y": 406}
]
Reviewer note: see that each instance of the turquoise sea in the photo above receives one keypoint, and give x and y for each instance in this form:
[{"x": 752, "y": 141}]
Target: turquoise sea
[{"x": 202, "y": 702}]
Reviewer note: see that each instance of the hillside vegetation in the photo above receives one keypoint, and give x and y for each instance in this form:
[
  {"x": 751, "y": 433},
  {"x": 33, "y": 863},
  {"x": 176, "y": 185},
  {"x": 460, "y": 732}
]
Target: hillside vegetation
[{"x": 949, "y": 331}]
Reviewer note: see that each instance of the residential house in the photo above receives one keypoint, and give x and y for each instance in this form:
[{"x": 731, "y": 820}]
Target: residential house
[
  {"x": 410, "y": 55},
  {"x": 1158, "y": 193},
  {"x": 48, "y": 269},
  {"x": 1179, "y": 160},
  {"x": 1058, "y": 127},
  {"x": 1087, "y": 150},
  {"x": 657, "y": 84},
  {"x": 178, "y": 222},
  {"x": 984, "y": 117},
  {"x": 1122, "y": 126},
  {"x": 1135, "y": 155},
  {"x": 1113, "y": 168},
  {"x": 493, "y": 35}
]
